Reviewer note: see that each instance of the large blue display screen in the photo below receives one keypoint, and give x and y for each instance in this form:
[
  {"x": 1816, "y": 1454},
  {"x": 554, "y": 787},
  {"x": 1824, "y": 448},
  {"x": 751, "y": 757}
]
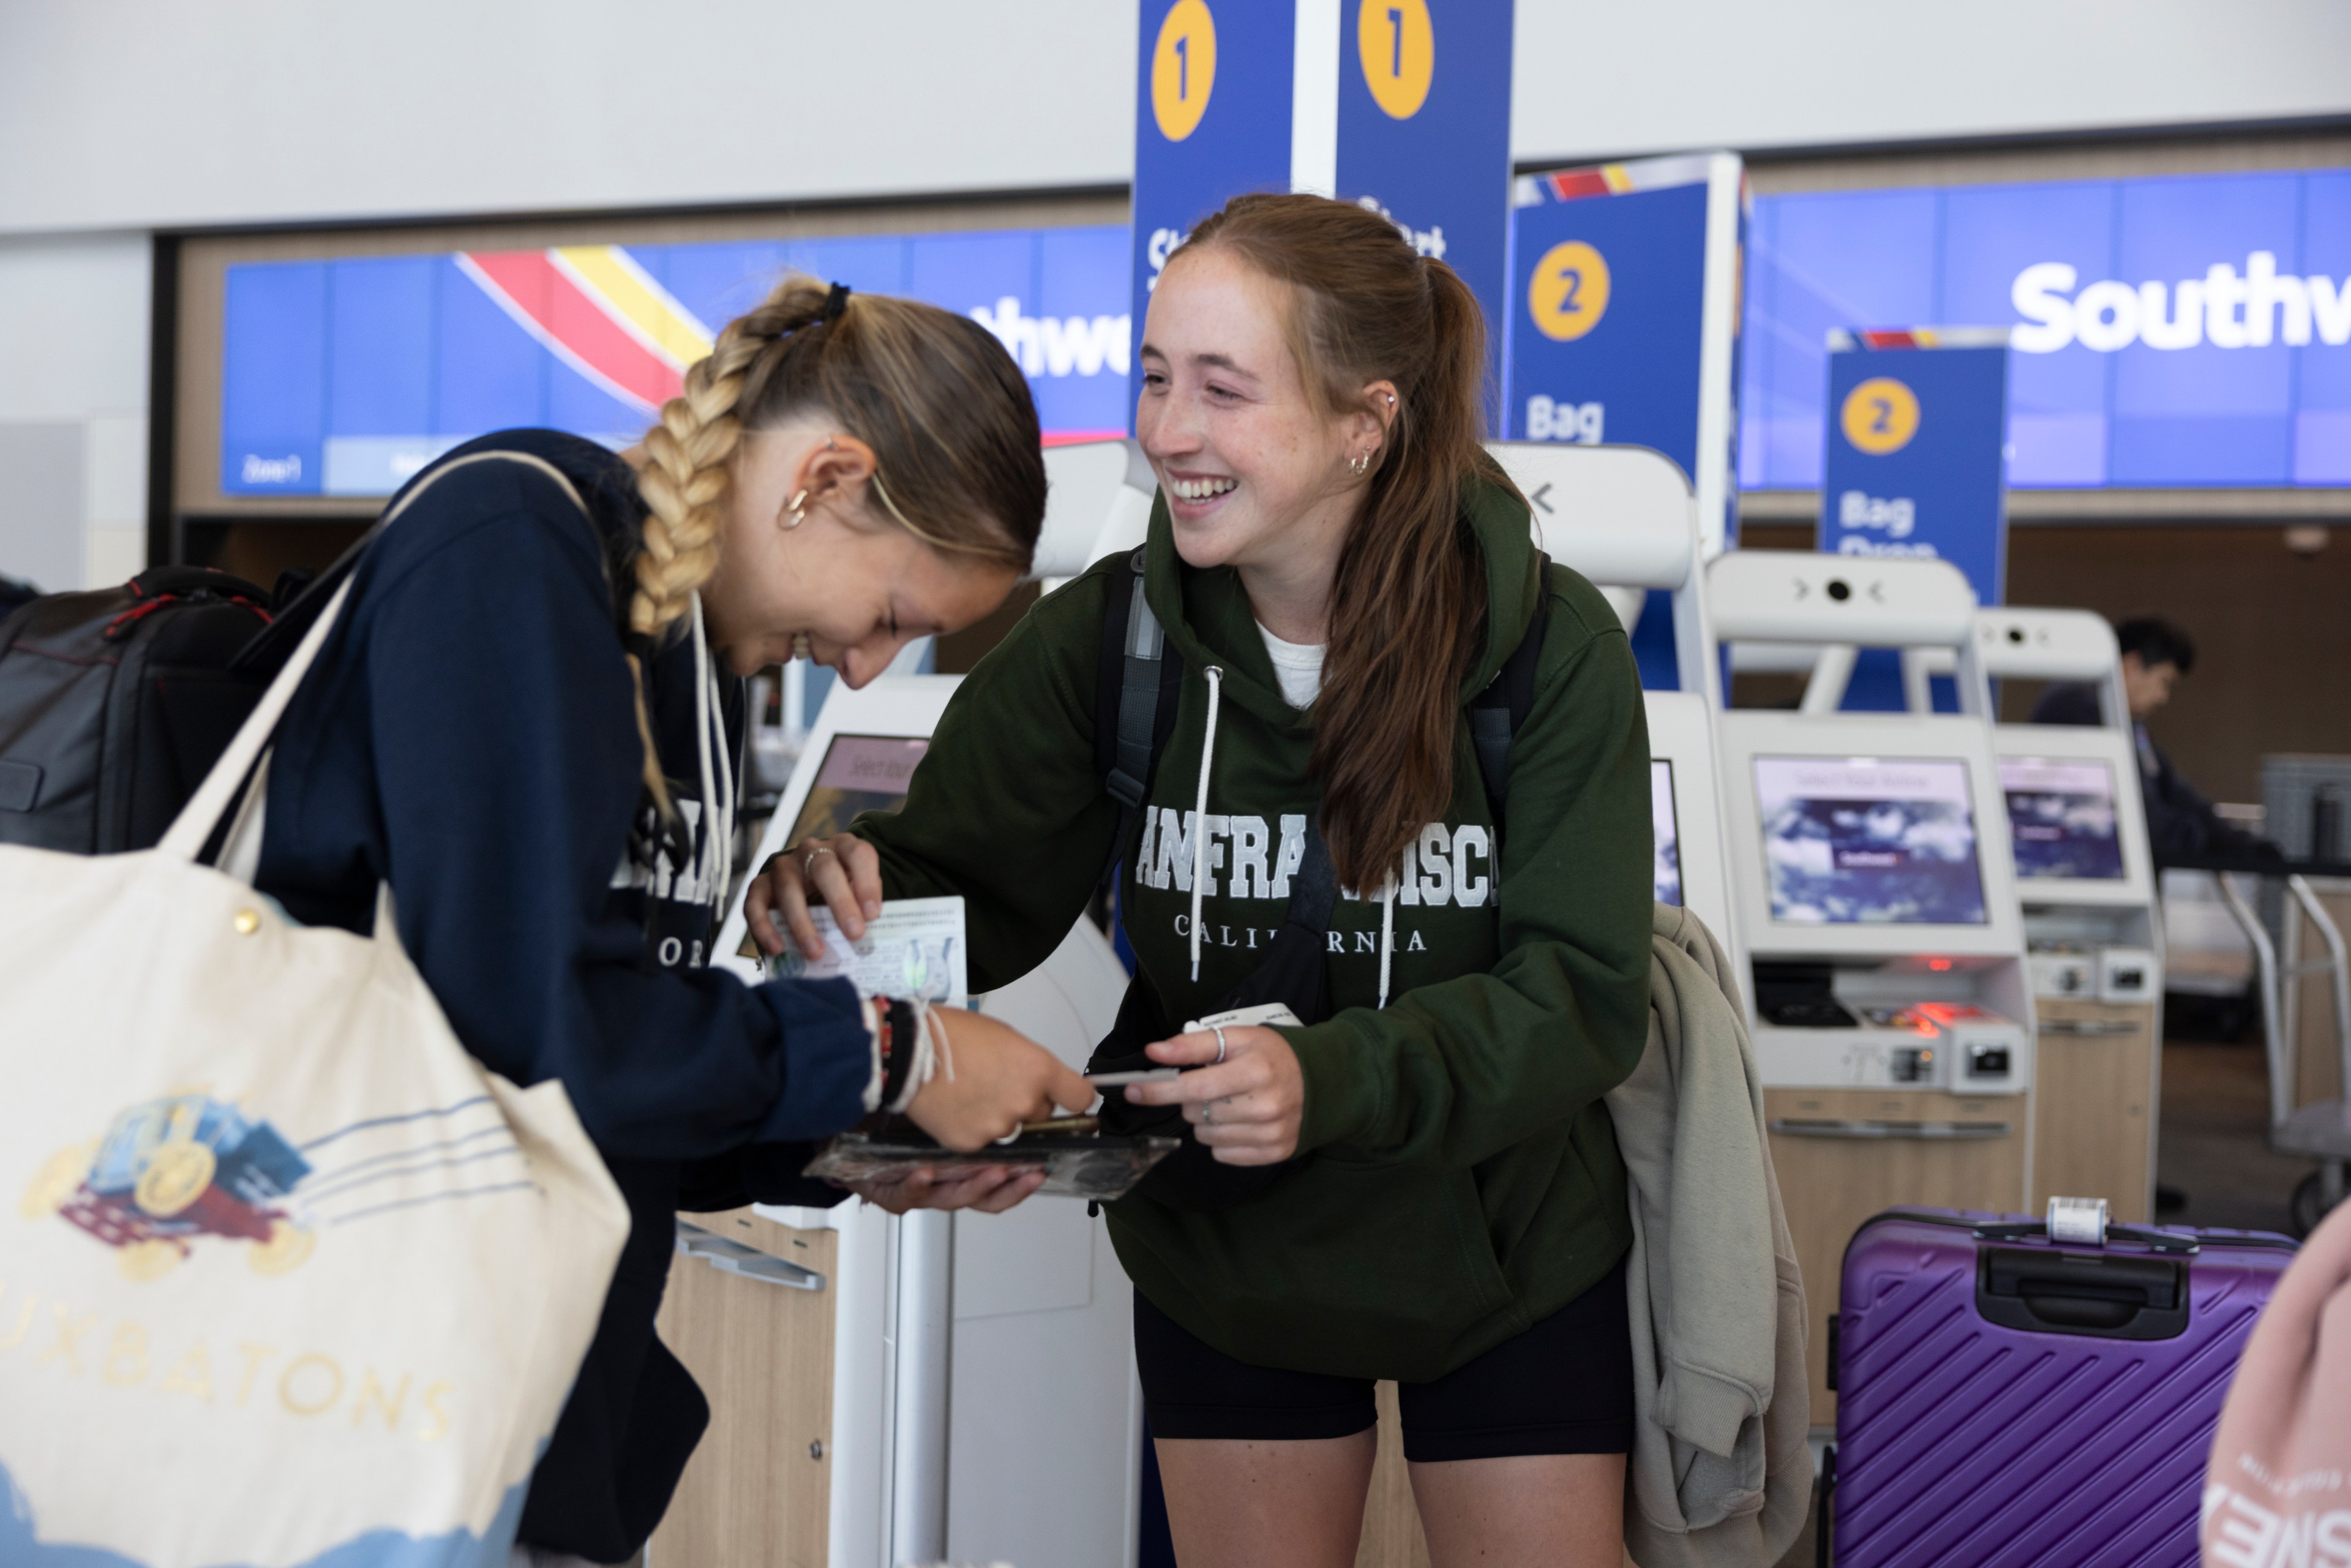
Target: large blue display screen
[
  {"x": 345, "y": 377},
  {"x": 2189, "y": 330}
]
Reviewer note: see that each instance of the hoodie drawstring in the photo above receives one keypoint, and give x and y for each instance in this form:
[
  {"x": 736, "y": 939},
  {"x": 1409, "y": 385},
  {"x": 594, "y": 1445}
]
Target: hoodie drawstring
[
  {"x": 1200, "y": 813},
  {"x": 1387, "y": 935},
  {"x": 715, "y": 855},
  {"x": 1215, "y": 677}
]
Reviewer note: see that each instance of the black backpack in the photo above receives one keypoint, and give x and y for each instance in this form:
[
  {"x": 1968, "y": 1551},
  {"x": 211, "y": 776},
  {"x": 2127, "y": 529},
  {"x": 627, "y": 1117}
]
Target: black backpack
[
  {"x": 1138, "y": 683},
  {"x": 114, "y": 705}
]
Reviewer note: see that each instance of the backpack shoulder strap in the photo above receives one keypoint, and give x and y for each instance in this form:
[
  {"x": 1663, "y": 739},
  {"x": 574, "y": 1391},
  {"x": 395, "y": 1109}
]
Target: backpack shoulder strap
[
  {"x": 1137, "y": 684},
  {"x": 218, "y": 796},
  {"x": 1496, "y": 713}
]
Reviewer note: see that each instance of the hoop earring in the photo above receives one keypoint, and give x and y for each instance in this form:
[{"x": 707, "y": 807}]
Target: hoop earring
[
  {"x": 797, "y": 507},
  {"x": 1357, "y": 464}
]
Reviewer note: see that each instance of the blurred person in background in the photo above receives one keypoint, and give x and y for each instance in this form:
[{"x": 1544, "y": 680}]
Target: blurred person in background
[{"x": 2181, "y": 823}]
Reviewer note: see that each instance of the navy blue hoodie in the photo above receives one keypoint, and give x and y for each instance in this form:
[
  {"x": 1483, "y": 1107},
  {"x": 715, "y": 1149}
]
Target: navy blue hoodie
[{"x": 468, "y": 734}]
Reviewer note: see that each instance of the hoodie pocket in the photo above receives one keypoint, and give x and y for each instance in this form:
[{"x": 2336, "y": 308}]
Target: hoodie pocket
[{"x": 1398, "y": 1253}]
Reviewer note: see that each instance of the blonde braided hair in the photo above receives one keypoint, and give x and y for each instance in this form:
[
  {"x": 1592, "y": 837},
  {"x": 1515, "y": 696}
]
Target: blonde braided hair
[{"x": 935, "y": 395}]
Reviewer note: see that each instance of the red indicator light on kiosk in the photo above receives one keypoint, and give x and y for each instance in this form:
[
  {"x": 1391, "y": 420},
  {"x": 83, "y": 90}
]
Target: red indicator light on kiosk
[{"x": 1938, "y": 965}]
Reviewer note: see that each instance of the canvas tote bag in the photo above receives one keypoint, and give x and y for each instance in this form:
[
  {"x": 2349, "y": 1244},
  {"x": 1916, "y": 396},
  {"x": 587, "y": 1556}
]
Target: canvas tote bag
[{"x": 286, "y": 1276}]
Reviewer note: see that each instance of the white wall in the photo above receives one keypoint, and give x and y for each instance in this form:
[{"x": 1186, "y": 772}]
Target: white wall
[
  {"x": 129, "y": 115},
  {"x": 1662, "y": 75},
  {"x": 73, "y": 404},
  {"x": 148, "y": 113},
  {"x": 145, "y": 113}
]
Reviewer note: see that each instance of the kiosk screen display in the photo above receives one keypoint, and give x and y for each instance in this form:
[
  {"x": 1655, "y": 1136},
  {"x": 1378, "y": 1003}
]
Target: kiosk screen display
[
  {"x": 1865, "y": 841},
  {"x": 859, "y": 773},
  {"x": 2062, "y": 817},
  {"x": 1664, "y": 833}
]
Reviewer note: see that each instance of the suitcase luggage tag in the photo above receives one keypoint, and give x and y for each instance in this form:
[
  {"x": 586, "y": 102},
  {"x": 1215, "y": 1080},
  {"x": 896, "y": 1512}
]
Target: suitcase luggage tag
[{"x": 2079, "y": 1220}]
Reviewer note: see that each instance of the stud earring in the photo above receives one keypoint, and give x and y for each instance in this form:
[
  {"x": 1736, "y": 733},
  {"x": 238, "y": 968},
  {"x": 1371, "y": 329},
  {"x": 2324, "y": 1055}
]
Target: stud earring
[{"x": 797, "y": 507}]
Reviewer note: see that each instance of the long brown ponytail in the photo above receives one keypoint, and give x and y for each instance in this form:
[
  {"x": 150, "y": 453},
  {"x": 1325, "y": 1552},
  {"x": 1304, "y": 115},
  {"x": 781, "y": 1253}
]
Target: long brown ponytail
[
  {"x": 1407, "y": 609},
  {"x": 959, "y": 461}
]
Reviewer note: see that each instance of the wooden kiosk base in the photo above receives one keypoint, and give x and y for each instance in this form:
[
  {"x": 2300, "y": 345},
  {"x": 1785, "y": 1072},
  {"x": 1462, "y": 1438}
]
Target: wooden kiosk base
[
  {"x": 756, "y": 1492},
  {"x": 2093, "y": 1104}
]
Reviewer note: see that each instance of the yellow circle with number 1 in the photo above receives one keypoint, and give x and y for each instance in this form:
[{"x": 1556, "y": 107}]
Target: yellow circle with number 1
[
  {"x": 1183, "y": 68},
  {"x": 1569, "y": 292},
  {"x": 1879, "y": 416},
  {"x": 1398, "y": 48}
]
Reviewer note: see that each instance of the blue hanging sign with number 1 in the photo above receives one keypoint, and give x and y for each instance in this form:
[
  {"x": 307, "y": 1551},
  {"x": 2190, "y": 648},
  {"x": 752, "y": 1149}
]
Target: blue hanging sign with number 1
[
  {"x": 1424, "y": 132},
  {"x": 1384, "y": 102},
  {"x": 1212, "y": 119}
]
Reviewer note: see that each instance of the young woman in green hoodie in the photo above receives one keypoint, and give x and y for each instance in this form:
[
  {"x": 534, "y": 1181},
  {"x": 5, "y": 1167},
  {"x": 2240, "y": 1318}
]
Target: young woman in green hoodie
[{"x": 1341, "y": 569}]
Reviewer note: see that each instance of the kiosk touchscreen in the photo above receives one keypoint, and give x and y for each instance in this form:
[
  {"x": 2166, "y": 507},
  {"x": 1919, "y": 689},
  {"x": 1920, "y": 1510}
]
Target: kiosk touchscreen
[
  {"x": 2062, "y": 818},
  {"x": 1877, "y": 898},
  {"x": 1624, "y": 516},
  {"x": 891, "y": 1414},
  {"x": 2087, "y": 883},
  {"x": 855, "y": 773},
  {"x": 1686, "y": 815},
  {"x": 1665, "y": 833},
  {"x": 1868, "y": 840}
]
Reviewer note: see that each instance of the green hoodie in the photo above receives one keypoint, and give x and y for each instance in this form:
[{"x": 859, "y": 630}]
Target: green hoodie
[{"x": 1461, "y": 1180}]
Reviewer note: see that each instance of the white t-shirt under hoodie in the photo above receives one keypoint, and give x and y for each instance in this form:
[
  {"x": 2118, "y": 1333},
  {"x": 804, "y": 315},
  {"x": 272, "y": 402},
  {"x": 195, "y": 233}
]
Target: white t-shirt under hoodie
[{"x": 1298, "y": 666}]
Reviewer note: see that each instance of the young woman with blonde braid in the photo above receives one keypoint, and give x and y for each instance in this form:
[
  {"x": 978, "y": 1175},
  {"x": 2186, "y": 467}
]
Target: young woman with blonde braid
[{"x": 528, "y": 724}]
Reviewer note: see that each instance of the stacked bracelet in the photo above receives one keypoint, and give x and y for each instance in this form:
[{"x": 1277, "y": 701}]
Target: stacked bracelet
[{"x": 899, "y": 1052}]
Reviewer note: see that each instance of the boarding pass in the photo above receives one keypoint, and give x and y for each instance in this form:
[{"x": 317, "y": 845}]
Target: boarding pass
[{"x": 915, "y": 947}]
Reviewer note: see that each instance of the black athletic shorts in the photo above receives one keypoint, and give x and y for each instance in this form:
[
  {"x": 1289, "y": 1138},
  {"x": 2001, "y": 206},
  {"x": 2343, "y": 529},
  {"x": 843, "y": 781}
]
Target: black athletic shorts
[{"x": 1564, "y": 1386}]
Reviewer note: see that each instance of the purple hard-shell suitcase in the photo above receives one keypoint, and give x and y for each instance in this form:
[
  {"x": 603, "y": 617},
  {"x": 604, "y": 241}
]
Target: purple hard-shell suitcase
[{"x": 2008, "y": 1401}]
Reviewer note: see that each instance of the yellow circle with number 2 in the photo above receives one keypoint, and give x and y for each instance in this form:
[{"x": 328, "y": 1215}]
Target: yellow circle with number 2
[
  {"x": 1569, "y": 292},
  {"x": 1879, "y": 416},
  {"x": 1183, "y": 68},
  {"x": 1398, "y": 48}
]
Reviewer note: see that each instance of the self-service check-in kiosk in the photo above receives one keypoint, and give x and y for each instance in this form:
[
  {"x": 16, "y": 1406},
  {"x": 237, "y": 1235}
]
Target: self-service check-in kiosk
[
  {"x": 1098, "y": 503},
  {"x": 1626, "y": 519},
  {"x": 2088, "y": 880},
  {"x": 1876, "y": 898},
  {"x": 931, "y": 1386}
]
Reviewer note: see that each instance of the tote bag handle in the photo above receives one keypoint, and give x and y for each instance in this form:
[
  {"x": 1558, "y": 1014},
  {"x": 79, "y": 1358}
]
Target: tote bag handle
[{"x": 223, "y": 786}]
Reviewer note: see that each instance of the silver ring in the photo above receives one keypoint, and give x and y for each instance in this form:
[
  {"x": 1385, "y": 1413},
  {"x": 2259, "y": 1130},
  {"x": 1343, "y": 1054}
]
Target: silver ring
[
  {"x": 1219, "y": 1030},
  {"x": 1207, "y": 1113},
  {"x": 808, "y": 861}
]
